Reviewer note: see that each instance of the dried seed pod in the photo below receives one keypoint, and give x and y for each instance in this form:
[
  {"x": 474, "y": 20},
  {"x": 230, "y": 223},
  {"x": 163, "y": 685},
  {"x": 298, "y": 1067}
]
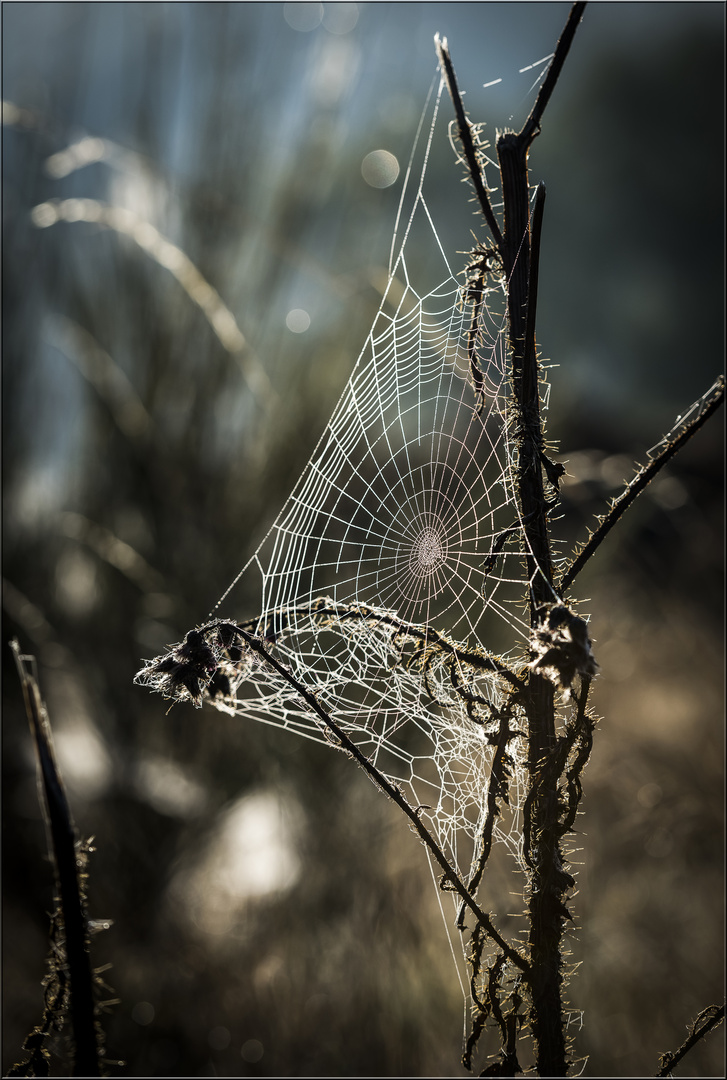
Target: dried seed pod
[{"x": 560, "y": 646}]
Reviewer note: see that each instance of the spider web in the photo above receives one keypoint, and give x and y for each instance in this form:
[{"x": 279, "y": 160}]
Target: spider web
[{"x": 395, "y": 571}]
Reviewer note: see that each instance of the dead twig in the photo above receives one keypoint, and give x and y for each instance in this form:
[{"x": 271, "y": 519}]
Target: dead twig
[
  {"x": 68, "y": 861},
  {"x": 708, "y": 1019}
]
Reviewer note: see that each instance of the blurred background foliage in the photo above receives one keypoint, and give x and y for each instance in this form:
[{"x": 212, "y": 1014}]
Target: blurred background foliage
[{"x": 271, "y": 913}]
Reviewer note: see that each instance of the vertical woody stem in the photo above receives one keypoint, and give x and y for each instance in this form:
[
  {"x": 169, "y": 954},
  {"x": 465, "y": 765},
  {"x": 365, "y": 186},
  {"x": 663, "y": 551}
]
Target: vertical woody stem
[
  {"x": 518, "y": 244},
  {"x": 520, "y": 249}
]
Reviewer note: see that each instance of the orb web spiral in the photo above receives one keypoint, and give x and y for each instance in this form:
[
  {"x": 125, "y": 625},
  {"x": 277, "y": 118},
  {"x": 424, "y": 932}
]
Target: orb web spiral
[{"x": 397, "y": 558}]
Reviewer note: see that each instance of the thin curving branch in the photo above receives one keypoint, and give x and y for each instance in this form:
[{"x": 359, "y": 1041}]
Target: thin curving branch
[
  {"x": 497, "y": 790},
  {"x": 532, "y": 125},
  {"x": 708, "y": 1019},
  {"x": 324, "y": 611},
  {"x": 465, "y": 137},
  {"x": 712, "y": 400}
]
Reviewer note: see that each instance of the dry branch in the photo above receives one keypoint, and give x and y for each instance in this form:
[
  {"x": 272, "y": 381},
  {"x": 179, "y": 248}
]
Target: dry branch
[{"x": 72, "y": 930}]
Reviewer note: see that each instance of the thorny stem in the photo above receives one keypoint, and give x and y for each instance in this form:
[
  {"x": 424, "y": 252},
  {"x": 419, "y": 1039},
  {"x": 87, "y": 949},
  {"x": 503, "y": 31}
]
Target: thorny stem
[
  {"x": 713, "y": 399},
  {"x": 496, "y": 790},
  {"x": 518, "y": 245},
  {"x": 477, "y": 292},
  {"x": 531, "y": 359},
  {"x": 581, "y": 734},
  {"x": 465, "y": 136},
  {"x": 547, "y": 881},
  {"x": 707, "y": 1020},
  {"x": 325, "y": 608}
]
